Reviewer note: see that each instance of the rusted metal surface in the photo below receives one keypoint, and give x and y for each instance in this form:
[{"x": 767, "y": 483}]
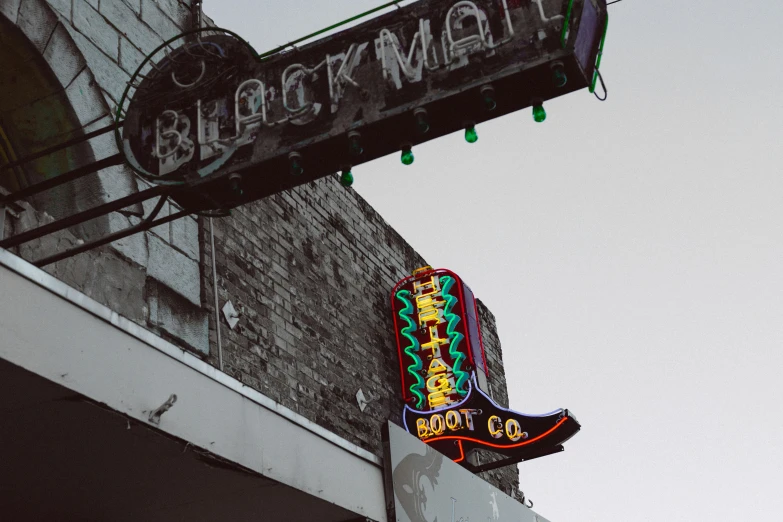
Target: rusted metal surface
[{"x": 212, "y": 115}]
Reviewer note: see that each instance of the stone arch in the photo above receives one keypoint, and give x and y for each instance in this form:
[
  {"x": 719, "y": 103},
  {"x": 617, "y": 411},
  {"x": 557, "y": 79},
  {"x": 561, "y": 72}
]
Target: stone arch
[
  {"x": 79, "y": 56},
  {"x": 50, "y": 95}
]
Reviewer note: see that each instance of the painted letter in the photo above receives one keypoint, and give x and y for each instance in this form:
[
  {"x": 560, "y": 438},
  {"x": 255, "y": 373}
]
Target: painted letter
[
  {"x": 295, "y": 101},
  {"x": 468, "y": 417},
  {"x": 339, "y": 80},
  {"x": 437, "y": 424},
  {"x": 437, "y": 366},
  {"x": 389, "y": 43},
  {"x": 172, "y": 147},
  {"x": 423, "y": 428},
  {"x": 453, "y": 420},
  {"x": 457, "y": 50},
  {"x": 513, "y": 430},
  {"x": 494, "y": 430},
  {"x": 441, "y": 384},
  {"x": 435, "y": 341},
  {"x": 438, "y": 399}
]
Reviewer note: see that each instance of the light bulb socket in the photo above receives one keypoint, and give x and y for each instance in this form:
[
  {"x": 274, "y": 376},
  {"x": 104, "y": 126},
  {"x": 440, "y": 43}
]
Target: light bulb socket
[
  {"x": 559, "y": 77},
  {"x": 235, "y": 182},
  {"x": 295, "y": 164},
  {"x": 355, "y": 148},
  {"x": 488, "y": 97},
  {"x": 422, "y": 120}
]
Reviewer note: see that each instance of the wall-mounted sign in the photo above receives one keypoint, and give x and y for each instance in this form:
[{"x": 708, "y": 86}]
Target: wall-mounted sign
[
  {"x": 208, "y": 113},
  {"x": 444, "y": 376}
]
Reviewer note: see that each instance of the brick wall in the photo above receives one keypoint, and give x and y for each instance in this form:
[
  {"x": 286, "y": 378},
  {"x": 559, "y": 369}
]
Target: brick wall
[{"x": 311, "y": 272}]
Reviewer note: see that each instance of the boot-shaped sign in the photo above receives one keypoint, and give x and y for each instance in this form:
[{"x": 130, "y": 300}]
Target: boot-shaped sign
[{"x": 444, "y": 376}]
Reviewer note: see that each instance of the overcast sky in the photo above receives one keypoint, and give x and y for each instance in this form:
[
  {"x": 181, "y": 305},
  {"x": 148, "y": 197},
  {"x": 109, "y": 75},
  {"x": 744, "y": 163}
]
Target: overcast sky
[{"x": 632, "y": 252}]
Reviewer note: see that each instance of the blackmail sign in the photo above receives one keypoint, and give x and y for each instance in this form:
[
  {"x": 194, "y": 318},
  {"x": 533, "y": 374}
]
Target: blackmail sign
[
  {"x": 208, "y": 113},
  {"x": 444, "y": 375}
]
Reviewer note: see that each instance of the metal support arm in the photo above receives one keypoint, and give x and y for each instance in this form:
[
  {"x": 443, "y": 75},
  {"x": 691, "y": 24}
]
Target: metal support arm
[
  {"x": 148, "y": 223},
  {"x": 514, "y": 460},
  {"x": 81, "y": 217}
]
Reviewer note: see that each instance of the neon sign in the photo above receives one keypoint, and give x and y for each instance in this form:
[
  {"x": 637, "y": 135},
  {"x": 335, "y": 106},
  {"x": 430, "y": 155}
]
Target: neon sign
[
  {"x": 208, "y": 113},
  {"x": 444, "y": 375}
]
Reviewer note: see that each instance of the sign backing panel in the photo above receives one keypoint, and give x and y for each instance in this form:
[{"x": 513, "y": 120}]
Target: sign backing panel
[{"x": 422, "y": 485}]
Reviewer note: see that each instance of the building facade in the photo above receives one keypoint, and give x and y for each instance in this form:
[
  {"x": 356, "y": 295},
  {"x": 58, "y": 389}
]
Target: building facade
[{"x": 129, "y": 384}]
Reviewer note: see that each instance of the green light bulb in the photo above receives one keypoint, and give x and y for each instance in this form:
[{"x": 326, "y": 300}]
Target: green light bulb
[
  {"x": 407, "y": 157},
  {"x": 346, "y": 179},
  {"x": 471, "y": 136},
  {"x": 539, "y": 114}
]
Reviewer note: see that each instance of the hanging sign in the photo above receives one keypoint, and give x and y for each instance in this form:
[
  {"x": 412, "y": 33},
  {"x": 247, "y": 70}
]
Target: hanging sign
[
  {"x": 444, "y": 376},
  {"x": 207, "y": 113}
]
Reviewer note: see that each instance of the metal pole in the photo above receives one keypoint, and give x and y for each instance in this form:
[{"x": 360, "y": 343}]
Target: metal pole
[{"x": 215, "y": 291}]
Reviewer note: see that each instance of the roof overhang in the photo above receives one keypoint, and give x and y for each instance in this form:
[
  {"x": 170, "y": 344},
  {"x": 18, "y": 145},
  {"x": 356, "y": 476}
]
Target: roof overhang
[{"x": 78, "y": 384}]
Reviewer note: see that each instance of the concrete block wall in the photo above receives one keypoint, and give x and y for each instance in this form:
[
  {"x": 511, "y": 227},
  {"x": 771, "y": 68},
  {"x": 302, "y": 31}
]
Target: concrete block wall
[{"x": 311, "y": 271}]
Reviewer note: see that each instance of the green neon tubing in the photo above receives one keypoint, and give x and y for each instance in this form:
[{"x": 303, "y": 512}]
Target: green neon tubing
[
  {"x": 600, "y": 55},
  {"x": 335, "y": 26},
  {"x": 456, "y": 337},
  {"x": 415, "y": 368},
  {"x": 564, "y": 32}
]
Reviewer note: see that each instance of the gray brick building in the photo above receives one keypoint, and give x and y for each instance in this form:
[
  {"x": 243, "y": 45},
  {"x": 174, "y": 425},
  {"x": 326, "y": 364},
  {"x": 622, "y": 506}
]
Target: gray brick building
[{"x": 309, "y": 272}]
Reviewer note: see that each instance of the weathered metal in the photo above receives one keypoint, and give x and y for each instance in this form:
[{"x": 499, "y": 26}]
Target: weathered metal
[
  {"x": 60, "y": 146},
  {"x": 213, "y": 115},
  {"x": 82, "y": 217},
  {"x": 62, "y": 179}
]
